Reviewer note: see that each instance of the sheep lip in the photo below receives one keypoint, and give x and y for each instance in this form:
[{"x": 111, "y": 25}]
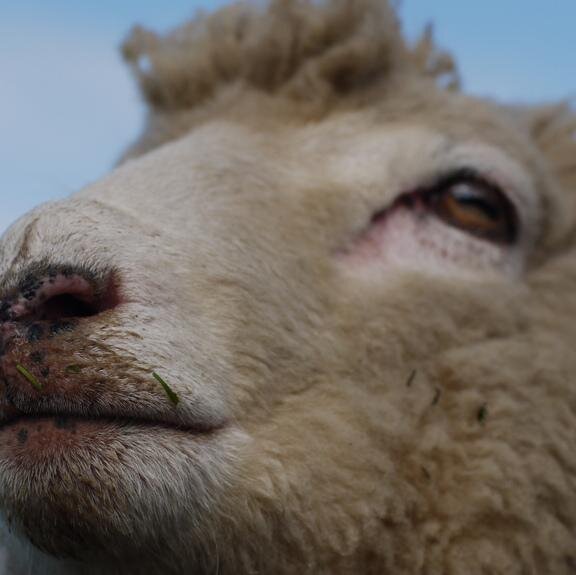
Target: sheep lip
[{"x": 128, "y": 420}]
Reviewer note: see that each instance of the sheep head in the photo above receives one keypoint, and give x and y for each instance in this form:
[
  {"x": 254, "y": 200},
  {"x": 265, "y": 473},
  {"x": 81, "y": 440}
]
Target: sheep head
[{"x": 319, "y": 320}]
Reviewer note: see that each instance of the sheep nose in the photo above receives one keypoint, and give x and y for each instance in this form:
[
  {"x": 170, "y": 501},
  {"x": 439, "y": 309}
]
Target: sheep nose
[{"x": 51, "y": 293}]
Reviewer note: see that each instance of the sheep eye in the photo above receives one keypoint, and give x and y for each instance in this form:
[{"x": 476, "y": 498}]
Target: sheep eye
[{"x": 468, "y": 202}]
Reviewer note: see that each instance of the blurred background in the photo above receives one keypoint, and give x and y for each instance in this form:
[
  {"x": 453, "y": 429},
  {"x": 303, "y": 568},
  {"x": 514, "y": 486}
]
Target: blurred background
[{"x": 68, "y": 105}]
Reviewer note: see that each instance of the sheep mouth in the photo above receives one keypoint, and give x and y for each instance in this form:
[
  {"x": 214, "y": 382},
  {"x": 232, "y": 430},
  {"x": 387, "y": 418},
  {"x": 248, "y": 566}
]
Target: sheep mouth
[
  {"x": 85, "y": 396},
  {"x": 52, "y": 379},
  {"x": 68, "y": 420}
]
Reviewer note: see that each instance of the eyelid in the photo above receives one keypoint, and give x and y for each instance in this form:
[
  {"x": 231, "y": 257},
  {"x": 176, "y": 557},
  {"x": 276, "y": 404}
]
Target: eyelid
[{"x": 464, "y": 175}]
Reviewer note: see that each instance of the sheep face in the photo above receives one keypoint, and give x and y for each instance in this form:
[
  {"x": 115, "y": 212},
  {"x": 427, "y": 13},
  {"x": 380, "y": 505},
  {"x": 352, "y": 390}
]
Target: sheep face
[{"x": 364, "y": 328}]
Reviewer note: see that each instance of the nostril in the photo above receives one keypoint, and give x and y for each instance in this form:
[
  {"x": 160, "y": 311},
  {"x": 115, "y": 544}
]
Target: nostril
[
  {"x": 73, "y": 296},
  {"x": 66, "y": 306},
  {"x": 62, "y": 294}
]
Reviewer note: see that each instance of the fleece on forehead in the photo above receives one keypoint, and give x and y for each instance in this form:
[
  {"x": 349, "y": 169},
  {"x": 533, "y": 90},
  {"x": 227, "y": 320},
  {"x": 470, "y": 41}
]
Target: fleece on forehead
[
  {"x": 316, "y": 55},
  {"x": 299, "y": 49}
]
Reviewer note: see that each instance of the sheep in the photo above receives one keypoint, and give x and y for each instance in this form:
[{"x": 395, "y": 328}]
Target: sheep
[{"x": 319, "y": 319}]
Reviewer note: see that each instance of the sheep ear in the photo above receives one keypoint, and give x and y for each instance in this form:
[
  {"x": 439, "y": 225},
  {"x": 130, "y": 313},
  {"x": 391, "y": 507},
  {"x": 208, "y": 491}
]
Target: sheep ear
[{"x": 553, "y": 131}]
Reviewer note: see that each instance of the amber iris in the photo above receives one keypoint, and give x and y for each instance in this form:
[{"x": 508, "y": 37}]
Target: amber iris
[{"x": 468, "y": 202}]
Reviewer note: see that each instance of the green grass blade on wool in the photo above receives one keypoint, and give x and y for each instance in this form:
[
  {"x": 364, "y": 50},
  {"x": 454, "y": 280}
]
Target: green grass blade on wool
[
  {"x": 411, "y": 378},
  {"x": 482, "y": 414},
  {"x": 73, "y": 369},
  {"x": 23, "y": 371},
  {"x": 172, "y": 396}
]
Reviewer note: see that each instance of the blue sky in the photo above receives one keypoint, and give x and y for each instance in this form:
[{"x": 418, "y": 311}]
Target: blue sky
[{"x": 68, "y": 105}]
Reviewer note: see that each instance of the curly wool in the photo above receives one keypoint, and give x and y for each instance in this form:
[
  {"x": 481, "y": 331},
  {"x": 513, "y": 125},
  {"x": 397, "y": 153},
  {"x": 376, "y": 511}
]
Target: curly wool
[{"x": 296, "y": 49}]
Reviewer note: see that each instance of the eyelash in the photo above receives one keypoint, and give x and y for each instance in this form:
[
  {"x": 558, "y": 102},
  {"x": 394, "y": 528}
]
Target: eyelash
[{"x": 465, "y": 175}]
